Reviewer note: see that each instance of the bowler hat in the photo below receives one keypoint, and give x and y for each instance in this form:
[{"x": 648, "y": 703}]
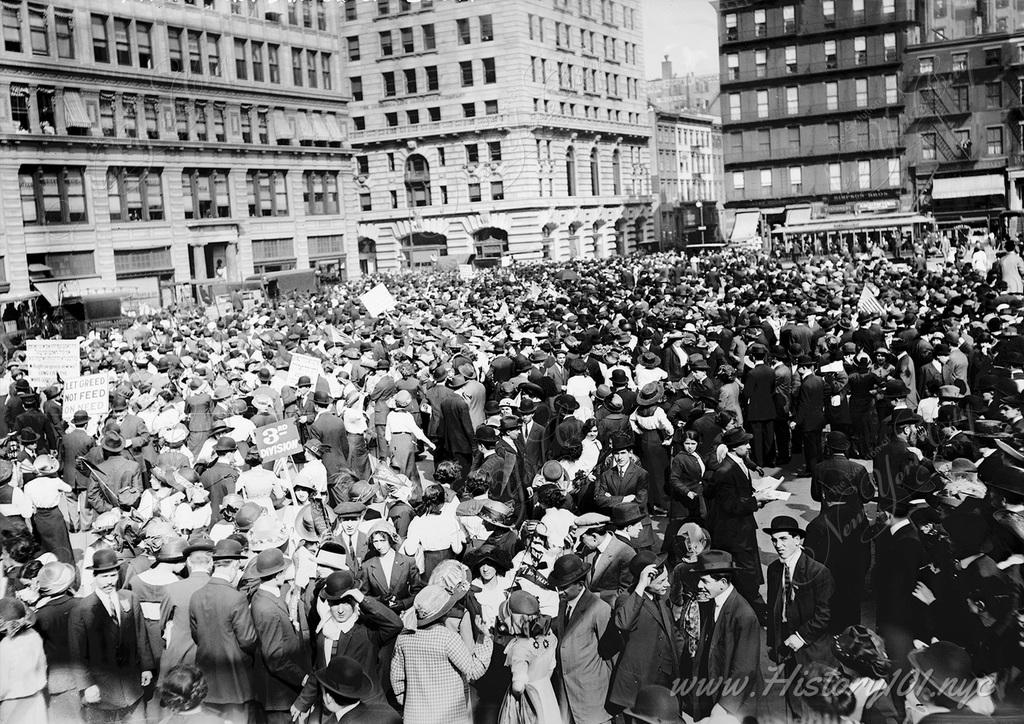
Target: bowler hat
[
  {"x": 81, "y": 417},
  {"x": 172, "y": 550},
  {"x": 643, "y": 559},
  {"x": 225, "y": 444},
  {"x": 485, "y": 435},
  {"x": 105, "y": 559},
  {"x": 321, "y": 398},
  {"x": 622, "y": 441},
  {"x": 271, "y": 562},
  {"x": 338, "y": 585},
  {"x": 784, "y": 524},
  {"x": 655, "y": 705},
  {"x": 566, "y": 570},
  {"x": 345, "y": 677},
  {"x": 228, "y": 549}
]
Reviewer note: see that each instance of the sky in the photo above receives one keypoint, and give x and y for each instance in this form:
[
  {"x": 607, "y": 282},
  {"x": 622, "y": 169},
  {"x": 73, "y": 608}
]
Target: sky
[{"x": 685, "y": 30}]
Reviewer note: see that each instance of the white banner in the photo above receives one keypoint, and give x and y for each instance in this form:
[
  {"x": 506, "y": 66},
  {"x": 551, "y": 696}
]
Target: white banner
[
  {"x": 378, "y": 301},
  {"x": 48, "y": 358},
  {"x": 304, "y": 364},
  {"x": 90, "y": 393}
]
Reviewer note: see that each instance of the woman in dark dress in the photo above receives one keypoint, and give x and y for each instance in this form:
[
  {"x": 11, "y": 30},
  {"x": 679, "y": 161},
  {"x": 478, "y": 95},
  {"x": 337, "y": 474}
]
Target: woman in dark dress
[
  {"x": 863, "y": 385},
  {"x": 685, "y": 492}
]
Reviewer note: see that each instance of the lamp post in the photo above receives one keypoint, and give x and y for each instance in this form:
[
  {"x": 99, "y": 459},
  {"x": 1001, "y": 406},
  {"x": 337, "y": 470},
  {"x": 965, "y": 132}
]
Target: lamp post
[{"x": 700, "y": 226}]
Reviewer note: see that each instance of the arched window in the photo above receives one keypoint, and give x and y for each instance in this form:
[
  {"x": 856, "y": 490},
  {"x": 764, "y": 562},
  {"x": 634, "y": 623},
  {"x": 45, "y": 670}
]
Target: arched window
[
  {"x": 417, "y": 181},
  {"x": 616, "y": 173},
  {"x": 595, "y": 173},
  {"x": 570, "y": 171}
]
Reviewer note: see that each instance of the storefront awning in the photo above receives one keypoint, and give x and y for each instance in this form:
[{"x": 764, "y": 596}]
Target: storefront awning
[
  {"x": 303, "y": 128},
  {"x": 798, "y": 215},
  {"x": 282, "y": 128},
  {"x": 320, "y": 130},
  {"x": 75, "y": 115},
  {"x": 865, "y": 222},
  {"x": 745, "y": 227},
  {"x": 959, "y": 187},
  {"x": 49, "y": 290},
  {"x": 335, "y": 128}
]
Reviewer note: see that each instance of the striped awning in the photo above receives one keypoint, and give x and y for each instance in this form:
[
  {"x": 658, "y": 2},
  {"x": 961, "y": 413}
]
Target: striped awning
[
  {"x": 282, "y": 128},
  {"x": 303, "y": 128},
  {"x": 320, "y": 130},
  {"x": 75, "y": 115},
  {"x": 335, "y": 129}
]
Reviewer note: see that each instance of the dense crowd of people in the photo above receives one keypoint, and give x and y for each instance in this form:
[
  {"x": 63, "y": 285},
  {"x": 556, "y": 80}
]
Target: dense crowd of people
[{"x": 530, "y": 497}]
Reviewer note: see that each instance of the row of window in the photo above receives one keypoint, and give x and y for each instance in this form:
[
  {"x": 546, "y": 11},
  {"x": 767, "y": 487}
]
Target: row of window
[
  {"x": 858, "y": 177},
  {"x": 959, "y": 97},
  {"x": 385, "y": 7},
  {"x": 132, "y": 116},
  {"x": 419, "y": 195},
  {"x": 958, "y": 62},
  {"x": 582, "y": 110},
  {"x": 608, "y": 9},
  {"x": 415, "y": 116},
  {"x": 56, "y": 194},
  {"x": 472, "y": 156},
  {"x": 574, "y": 78},
  {"x": 130, "y": 43},
  {"x": 962, "y": 139},
  {"x": 856, "y": 135},
  {"x": 587, "y": 41},
  {"x": 784, "y": 20},
  {"x": 789, "y": 101},
  {"x": 806, "y": 58}
]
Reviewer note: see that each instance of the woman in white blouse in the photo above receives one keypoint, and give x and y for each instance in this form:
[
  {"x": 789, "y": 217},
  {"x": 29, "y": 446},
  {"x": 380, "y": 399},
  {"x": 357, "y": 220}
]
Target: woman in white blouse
[
  {"x": 654, "y": 435},
  {"x": 402, "y": 433},
  {"x": 434, "y": 534}
]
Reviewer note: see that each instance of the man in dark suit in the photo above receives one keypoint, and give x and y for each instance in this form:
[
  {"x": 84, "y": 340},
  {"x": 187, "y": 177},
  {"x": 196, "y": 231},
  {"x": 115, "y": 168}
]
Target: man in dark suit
[
  {"x": 450, "y": 427},
  {"x": 899, "y": 556},
  {"x": 345, "y": 690},
  {"x": 78, "y": 443},
  {"x": 118, "y": 480},
  {"x": 799, "y": 593},
  {"x": 219, "y": 479},
  {"x": 895, "y": 466},
  {"x": 809, "y": 415},
  {"x": 620, "y": 387},
  {"x": 729, "y": 647},
  {"x": 837, "y": 478},
  {"x": 326, "y": 426},
  {"x": 731, "y": 516},
  {"x": 607, "y": 559},
  {"x": 532, "y": 439},
  {"x": 225, "y": 637},
  {"x": 624, "y": 481},
  {"x": 644, "y": 620},
  {"x": 107, "y": 638},
  {"x": 282, "y": 664},
  {"x": 759, "y": 396},
  {"x": 586, "y": 644}
]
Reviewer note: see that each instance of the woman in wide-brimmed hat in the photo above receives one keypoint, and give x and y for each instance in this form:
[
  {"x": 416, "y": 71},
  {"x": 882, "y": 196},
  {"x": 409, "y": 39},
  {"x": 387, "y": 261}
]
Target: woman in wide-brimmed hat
[
  {"x": 861, "y": 655},
  {"x": 423, "y": 677},
  {"x": 654, "y": 436}
]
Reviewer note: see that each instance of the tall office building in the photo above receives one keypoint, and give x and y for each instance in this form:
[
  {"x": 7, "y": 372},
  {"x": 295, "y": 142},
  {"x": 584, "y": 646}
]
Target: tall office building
[
  {"x": 497, "y": 128},
  {"x": 811, "y": 104},
  {"x": 147, "y": 144}
]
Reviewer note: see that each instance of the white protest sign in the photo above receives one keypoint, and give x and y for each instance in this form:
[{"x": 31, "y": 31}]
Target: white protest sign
[
  {"x": 90, "y": 393},
  {"x": 466, "y": 271},
  {"x": 378, "y": 301},
  {"x": 304, "y": 364},
  {"x": 48, "y": 358},
  {"x": 223, "y": 304}
]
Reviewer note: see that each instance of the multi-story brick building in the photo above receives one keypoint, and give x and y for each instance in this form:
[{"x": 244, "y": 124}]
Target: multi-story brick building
[
  {"x": 965, "y": 112},
  {"x": 811, "y": 103},
  {"x": 147, "y": 144},
  {"x": 688, "y": 92},
  {"x": 686, "y": 154},
  {"x": 497, "y": 127}
]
